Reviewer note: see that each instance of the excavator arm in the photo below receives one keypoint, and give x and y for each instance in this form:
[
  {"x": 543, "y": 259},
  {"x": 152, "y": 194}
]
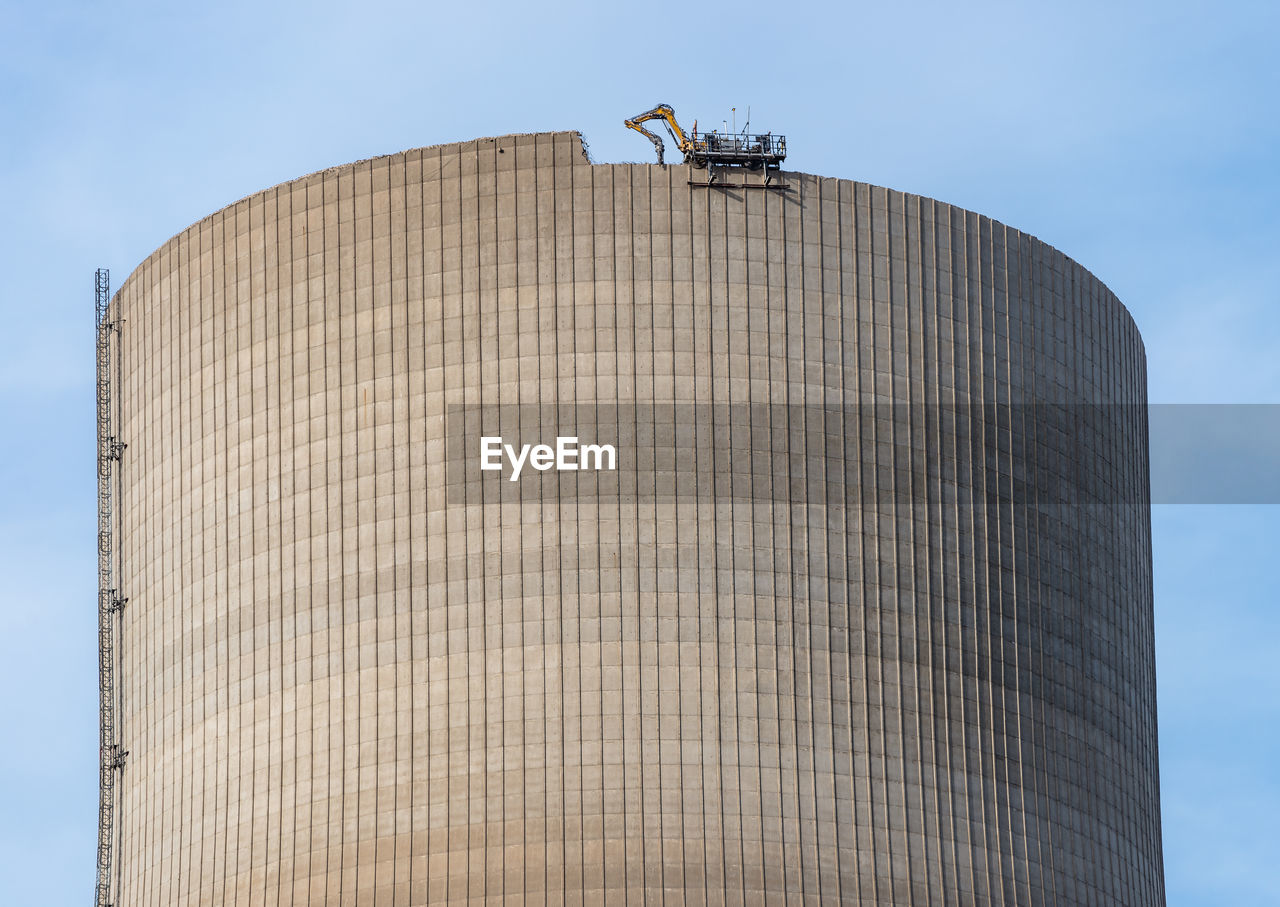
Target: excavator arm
[
  {"x": 667, "y": 114},
  {"x": 656, "y": 139}
]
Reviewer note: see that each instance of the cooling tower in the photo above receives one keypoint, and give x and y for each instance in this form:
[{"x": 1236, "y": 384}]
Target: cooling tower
[{"x": 848, "y": 599}]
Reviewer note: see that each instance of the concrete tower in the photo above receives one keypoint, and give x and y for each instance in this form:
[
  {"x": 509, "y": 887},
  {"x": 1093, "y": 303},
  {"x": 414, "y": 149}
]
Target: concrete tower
[{"x": 861, "y": 613}]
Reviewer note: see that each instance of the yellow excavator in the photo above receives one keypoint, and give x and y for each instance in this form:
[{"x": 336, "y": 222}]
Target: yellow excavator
[{"x": 715, "y": 148}]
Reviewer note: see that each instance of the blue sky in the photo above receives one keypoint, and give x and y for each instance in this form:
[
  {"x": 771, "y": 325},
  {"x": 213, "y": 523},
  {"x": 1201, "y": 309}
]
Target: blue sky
[{"x": 1140, "y": 138}]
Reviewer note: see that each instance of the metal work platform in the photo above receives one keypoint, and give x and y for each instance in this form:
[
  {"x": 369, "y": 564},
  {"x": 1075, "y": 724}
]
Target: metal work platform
[{"x": 738, "y": 150}]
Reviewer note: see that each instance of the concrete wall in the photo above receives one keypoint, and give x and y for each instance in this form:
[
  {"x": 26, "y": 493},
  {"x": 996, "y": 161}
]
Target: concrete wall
[{"x": 864, "y": 615}]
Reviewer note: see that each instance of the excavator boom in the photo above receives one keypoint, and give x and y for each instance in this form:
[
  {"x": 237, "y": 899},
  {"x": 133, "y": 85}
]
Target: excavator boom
[{"x": 667, "y": 114}]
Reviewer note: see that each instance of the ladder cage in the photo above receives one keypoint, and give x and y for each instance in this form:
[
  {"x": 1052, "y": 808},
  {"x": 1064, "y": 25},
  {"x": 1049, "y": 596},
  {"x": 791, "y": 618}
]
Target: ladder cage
[{"x": 111, "y": 754}]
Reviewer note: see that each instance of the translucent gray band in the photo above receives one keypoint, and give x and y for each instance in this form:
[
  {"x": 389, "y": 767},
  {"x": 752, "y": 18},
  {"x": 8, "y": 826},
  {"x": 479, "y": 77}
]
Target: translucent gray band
[{"x": 1199, "y": 453}]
